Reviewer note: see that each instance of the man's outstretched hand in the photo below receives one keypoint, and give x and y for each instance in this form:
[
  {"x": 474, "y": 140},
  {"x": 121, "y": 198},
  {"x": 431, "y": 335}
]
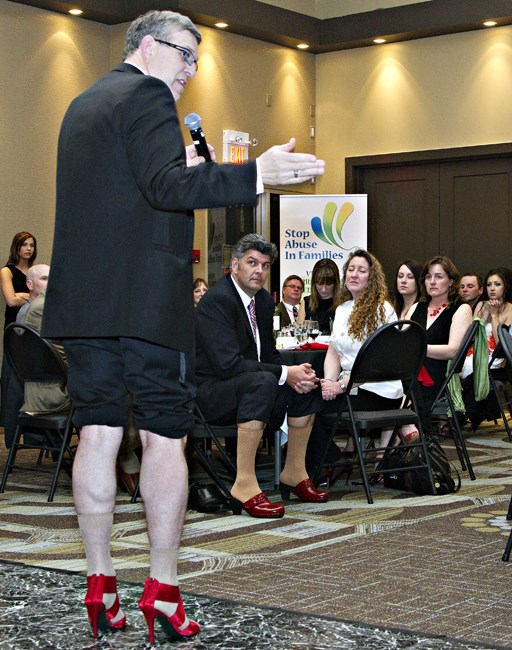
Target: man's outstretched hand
[{"x": 280, "y": 165}]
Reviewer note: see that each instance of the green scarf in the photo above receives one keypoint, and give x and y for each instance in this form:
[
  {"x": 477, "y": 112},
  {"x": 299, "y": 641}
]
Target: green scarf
[
  {"x": 480, "y": 370},
  {"x": 480, "y": 362}
]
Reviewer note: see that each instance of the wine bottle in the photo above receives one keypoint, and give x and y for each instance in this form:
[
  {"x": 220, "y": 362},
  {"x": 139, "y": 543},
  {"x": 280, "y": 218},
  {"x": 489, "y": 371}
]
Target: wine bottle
[{"x": 277, "y": 316}]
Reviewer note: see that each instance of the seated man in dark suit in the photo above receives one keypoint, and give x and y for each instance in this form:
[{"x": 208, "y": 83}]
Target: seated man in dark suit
[
  {"x": 293, "y": 288},
  {"x": 240, "y": 378}
]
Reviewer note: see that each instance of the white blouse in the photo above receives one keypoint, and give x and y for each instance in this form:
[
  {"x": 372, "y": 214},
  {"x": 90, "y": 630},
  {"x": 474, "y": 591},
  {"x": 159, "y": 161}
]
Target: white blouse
[{"x": 347, "y": 348}]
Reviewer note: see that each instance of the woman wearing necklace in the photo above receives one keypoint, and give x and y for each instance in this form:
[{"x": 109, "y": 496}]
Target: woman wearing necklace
[{"x": 444, "y": 317}]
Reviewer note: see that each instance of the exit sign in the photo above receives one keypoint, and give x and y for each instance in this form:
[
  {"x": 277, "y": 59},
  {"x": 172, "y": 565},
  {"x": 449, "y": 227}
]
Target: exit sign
[{"x": 235, "y": 147}]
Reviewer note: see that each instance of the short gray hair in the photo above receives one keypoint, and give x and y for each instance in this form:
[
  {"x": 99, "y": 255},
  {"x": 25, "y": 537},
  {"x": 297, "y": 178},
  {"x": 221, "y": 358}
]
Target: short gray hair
[
  {"x": 159, "y": 24},
  {"x": 37, "y": 270},
  {"x": 255, "y": 242}
]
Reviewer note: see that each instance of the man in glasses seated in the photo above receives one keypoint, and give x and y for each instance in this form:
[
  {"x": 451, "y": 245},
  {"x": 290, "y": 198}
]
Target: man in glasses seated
[{"x": 289, "y": 306}]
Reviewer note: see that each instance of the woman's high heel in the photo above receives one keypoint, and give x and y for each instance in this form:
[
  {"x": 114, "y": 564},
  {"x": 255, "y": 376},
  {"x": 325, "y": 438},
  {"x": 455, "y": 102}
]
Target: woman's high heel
[
  {"x": 176, "y": 626},
  {"x": 99, "y": 616}
]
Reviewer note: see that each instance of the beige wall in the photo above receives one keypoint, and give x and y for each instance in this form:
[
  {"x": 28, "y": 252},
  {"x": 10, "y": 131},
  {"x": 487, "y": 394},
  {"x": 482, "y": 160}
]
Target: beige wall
[
  {"x": 433, "y": 93},
  {"x": 45, "y": 60},
  {"x": 48, "y": 58},
  {"x": 448, "y": 91}
]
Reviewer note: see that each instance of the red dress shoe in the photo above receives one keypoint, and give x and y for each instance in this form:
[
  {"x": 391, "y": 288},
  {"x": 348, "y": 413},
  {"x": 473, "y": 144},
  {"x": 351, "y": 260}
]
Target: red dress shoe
[
  {"x": 305, "y": 490},
  {"x": 258, "y": 506}
]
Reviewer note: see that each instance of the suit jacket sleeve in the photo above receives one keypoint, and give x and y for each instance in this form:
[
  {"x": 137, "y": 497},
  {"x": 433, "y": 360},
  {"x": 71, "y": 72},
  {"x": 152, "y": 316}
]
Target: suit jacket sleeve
[
  {"x": 285, "y": 316},
  {"x": 225, "y": 344}
]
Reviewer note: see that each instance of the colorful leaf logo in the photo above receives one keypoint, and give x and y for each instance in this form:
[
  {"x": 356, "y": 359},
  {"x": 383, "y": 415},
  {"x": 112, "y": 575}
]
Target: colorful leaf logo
[{"x": 329, "y": 228}]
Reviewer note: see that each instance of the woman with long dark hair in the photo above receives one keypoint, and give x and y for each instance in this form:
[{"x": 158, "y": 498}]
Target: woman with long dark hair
[
  {"x": 13, "y": 279},
  {"x": 13, "y": 276},
  {"x": 406, "y": 287},
  {"x": 494, "y": 310},
  {"x": 325, "y": 295}
]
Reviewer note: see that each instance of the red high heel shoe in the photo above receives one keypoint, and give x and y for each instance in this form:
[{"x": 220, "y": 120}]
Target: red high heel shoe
[
  {"x": 99, "y": 615},
  {"x": 176, "y": 626}
]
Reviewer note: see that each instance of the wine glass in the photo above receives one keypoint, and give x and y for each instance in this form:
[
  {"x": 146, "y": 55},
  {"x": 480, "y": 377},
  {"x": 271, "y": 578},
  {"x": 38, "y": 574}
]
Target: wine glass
[
  {"x": 301, "y": 332},
  {"x": 313, "y": 329}
]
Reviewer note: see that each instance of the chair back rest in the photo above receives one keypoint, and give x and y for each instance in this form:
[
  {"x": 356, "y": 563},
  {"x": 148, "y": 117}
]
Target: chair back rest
[
  {"x": 458, "y": 359},
  {"x": 33, "y": 358},
  {"x": 394, "y": 351},
  {"x": 504, "y": 344}
]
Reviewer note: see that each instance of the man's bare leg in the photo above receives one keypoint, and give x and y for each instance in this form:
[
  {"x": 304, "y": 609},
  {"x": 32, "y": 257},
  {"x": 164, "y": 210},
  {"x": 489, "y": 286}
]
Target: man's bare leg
[
  {"x": 164, "y": 488},
  {"x": 94, "y": 492}
]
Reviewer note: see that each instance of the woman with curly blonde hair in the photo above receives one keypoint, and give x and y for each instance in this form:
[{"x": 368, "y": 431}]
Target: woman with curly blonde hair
[
  {"x": 364, "y": 309},
  {"x": 367, "y": 288}
]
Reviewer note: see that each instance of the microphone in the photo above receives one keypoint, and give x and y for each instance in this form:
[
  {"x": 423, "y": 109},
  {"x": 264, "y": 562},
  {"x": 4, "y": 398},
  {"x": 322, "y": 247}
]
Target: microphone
[{"x": 193, "y": 124}]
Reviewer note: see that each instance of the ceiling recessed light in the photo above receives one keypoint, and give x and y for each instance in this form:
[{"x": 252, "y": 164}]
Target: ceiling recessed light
[
  {"x": 490, "y": 23},
  {"x": 379, "y": 40},
  {"x": 303, "y": 46},
  {"x": 221, "y": 25},
  {"x": 75, "y": 12}
]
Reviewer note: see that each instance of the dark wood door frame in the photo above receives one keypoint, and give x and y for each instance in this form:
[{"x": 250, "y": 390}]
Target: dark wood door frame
[{"x": 355, "y": 166}]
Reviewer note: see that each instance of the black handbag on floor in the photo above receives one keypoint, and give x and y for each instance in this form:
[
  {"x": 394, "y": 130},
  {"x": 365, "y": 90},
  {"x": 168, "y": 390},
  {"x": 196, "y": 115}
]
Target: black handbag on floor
[{"x": 416, "y": 480}]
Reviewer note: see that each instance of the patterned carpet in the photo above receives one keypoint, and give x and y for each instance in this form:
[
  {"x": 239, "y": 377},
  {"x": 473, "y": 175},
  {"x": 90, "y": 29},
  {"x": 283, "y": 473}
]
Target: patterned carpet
[{"x": 425, "y": 564}]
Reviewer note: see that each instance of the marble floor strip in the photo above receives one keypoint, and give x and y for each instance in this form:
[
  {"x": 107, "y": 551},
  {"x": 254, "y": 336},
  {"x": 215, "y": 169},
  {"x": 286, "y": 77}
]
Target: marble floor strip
[{"x": 44, "y": 609}]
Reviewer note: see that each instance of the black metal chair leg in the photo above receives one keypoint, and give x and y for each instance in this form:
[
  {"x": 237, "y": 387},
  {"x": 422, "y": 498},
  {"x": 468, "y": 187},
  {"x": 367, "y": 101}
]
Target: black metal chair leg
[{"x": 508, "y": 548}]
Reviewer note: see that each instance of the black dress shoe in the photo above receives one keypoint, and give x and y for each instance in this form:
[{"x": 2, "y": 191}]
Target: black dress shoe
[{"x": 207, "y": 498}]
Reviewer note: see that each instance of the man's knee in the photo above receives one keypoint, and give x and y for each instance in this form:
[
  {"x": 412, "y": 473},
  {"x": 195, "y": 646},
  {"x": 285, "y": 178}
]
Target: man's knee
[{"x": 304, "y": 421}]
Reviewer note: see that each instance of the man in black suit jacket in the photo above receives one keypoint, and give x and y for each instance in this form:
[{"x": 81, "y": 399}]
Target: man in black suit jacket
[
  {"x": 293, "y": 288},
  {"x": 241, "y": 379},
  {"x": 120, "y": 297}
]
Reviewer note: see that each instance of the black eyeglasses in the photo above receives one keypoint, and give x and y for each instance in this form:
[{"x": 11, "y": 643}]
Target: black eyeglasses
[{"x": 187, "y": 55}]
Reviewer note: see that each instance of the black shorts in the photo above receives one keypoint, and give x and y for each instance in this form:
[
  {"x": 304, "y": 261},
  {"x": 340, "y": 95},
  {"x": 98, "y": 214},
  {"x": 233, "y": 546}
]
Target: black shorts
[{"x": 108, "y": 377}]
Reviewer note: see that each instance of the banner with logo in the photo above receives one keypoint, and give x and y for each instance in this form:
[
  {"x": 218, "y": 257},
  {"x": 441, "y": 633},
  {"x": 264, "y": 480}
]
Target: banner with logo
[{"x": 313, "y": 227}]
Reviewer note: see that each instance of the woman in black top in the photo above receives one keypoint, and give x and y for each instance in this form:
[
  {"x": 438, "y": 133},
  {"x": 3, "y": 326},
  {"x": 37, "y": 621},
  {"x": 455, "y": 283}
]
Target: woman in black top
[
  {"x": 444, "y": 317},
  {"x": 13, "y": 275},
  {"x": 325, "y": 295}
]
